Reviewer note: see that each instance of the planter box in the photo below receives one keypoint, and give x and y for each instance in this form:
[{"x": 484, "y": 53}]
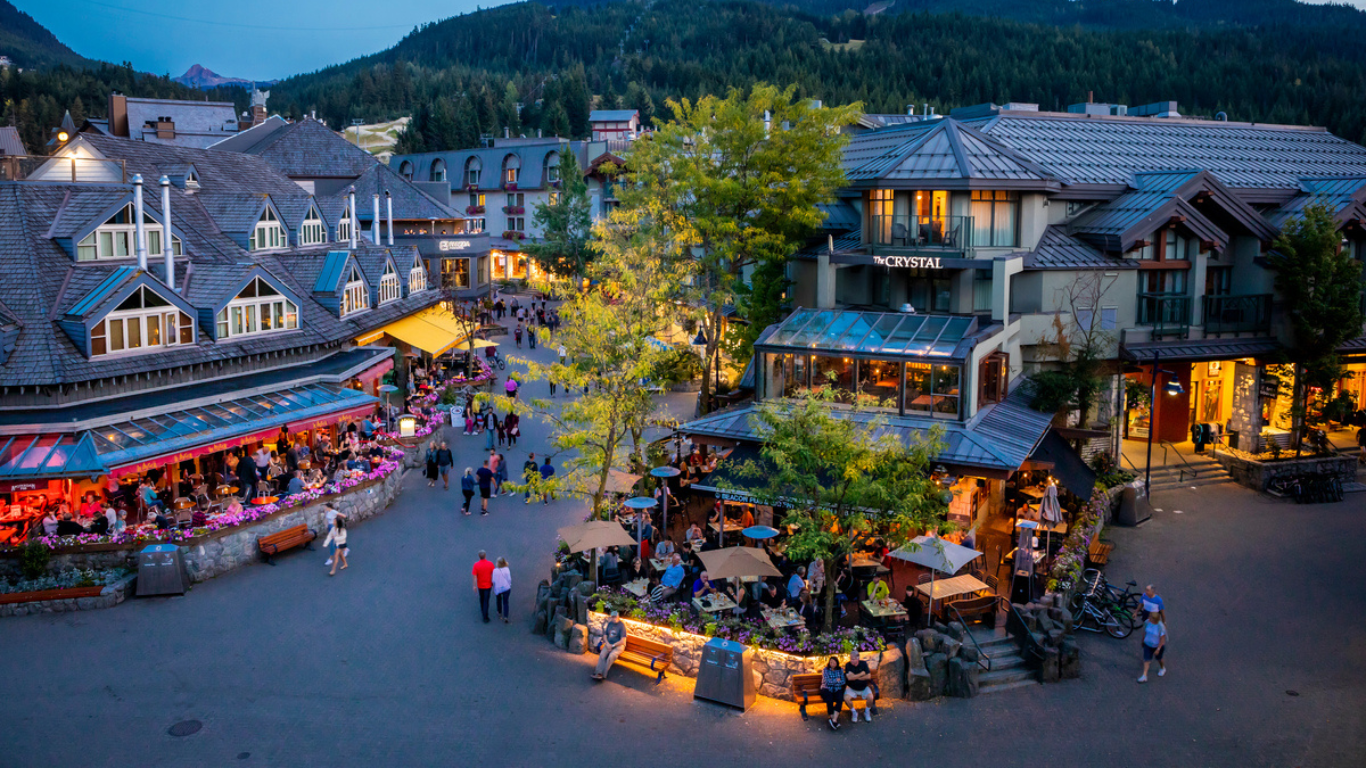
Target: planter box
[
  {"x": 67, "y": 593},
  {"x": 1257, "y": 475}
]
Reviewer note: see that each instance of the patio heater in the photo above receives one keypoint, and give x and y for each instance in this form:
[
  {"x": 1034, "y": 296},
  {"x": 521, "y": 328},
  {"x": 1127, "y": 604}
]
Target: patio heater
[
  {"x": 1171, "y": 389},
  {"x": 664, "y": 473},
  {"x": 385, "y": 389},
  {"x": 639, "y": 504}
]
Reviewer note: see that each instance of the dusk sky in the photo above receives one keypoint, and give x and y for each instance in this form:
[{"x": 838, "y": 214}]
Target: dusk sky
[{"x": 254, "y": 39}]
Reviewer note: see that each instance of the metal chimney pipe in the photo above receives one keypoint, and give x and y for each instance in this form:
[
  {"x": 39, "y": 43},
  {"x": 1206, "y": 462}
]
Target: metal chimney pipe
[
  {"x": 167, "y": 253},
  {"x": 377, "y": 223},
  {"x": 389, "y": 204},
  {"x": 354, "y": 219},
  {"x": 768, "y": 123},
  {"x": 139, "y": 231}
]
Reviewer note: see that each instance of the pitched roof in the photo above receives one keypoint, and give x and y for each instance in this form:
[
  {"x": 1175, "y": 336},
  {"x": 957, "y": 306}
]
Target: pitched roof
[
  {"x": 1345, "y": 195},
  {"x": 197, "y": 123},
  {"x": 306, "y": 149},
  {"x": 10, "y": 143},
  {"x": 943, "y": 150},
  {"x": 611, "y": 115},
  {"x": 1059, "y": 250}
]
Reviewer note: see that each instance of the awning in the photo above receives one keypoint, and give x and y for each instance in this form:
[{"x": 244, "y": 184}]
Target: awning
[
  {"x": 373, "y": 374},
  {"x": 48, "y": 457},
  {"x": 430, "y": 330},
  {"x": 1067, "y": 466}
]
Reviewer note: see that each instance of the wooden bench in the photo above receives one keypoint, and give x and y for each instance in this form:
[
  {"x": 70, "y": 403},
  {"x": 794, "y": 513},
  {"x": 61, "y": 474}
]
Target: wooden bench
[
  {"x": 972, "y": 609},
  {"x": 647, "y": 653},
  {"x": 806, "y": 687},
  {"x": 1098, "y": 553},
  {"x": 275, "y": 543}
]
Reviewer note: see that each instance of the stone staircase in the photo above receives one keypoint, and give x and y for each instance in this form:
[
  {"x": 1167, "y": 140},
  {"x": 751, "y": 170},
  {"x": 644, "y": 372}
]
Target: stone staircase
[
  {"x": 1008, "y": 668},
  {"x": 1170, "y": 477}
]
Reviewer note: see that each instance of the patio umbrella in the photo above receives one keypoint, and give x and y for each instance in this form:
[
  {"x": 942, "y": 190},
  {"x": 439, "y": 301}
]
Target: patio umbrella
[
  {"x": 759, "y": 532},
  {"x": 735, "y": 562},
  {"x": 621, "y": 482},
  {"x": 936, "y": 554},
  {"x": 481, "y": 343},
  {"x": 593, "y": 535},
  {"x": 1051, "y": 512}
]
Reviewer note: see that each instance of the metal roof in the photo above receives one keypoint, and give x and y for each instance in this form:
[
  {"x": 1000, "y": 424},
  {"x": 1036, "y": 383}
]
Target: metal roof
[
  {"x": 332, "y": 271},
  {"x": 1059, "y": 250},
  {"x": 103, "y": 290},
  {"x": 10, "y": 143},
  {"x": 1346, "y": 195},
  {"x": 937, "y": 150},
  {"x": 611, "y": 115},
  {"x": 874, "y": 334},
  {"x": 1201, "y": 350},
  {"x": 52, "y": 455}
]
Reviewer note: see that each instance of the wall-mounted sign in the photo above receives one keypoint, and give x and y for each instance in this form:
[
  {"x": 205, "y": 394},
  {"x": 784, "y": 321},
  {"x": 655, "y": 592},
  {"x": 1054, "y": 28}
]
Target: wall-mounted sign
[
  {"x": 1270, "y": 387},
  {"x": 453, "y": 245},
  {"x": 908, "y": 262}
]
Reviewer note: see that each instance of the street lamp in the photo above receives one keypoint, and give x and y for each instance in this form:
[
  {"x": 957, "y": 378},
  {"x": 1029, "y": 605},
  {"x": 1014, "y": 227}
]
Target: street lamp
[
  {"x": 1171, "y": 389},
  {"x": 699, "y": 343}
]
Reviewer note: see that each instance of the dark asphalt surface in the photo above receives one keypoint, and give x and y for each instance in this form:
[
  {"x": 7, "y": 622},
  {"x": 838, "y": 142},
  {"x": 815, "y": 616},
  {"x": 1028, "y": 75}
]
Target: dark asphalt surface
[{"x": 388, "y": 664}]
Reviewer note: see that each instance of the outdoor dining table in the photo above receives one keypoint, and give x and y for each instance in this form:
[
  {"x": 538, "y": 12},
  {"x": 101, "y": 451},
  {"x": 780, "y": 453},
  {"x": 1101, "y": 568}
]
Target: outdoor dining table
[
  {"x": 1034, "y": 491},
  {"x": 781, "y": 618},
  {"x": 637, "y": 587},
  {"x": 714, "y": 604},
  {"x": 885, "y": 609},
  {"x": 659, "y": 565},
  {"x": 731, "y": 527},
  {"x": 958, "y": 585}
]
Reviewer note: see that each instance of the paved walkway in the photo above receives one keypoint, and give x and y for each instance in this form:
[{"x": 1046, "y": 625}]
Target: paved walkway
[{"x": 388, "y": 664}]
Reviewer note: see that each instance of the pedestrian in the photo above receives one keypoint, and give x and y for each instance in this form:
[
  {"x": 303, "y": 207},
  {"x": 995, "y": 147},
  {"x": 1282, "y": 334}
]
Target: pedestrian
[
  {"x": 490, "y": 429},
  {"x": 613, "y": 643},
  {"x": 469, "y": 420},
  {"x": 511, "y": 387},
  {"x": 1154, "y": 645},
  {"x": 483, "y": 582},
  {"x": 531, "y": 337},
  {"x": 467, "y": 488},
  {"x": 563, "y": 353},
  {"x": 500, "y": 473},
  {"x": 513, "y": 426},
  {"x": 517, "y": 334},
  {"x": 547, "y": 472},
  {"x": 493, "y": 467},
  {"x": 431, "y": 464},
  {"x": 531, "y": 471},
  {"x": 330, "y": 515},
  {"x": 551, "y": 379},
  {"x": 337, "y": 536},
  {"x": 832, "y": 690},
  {"x": 1151, "y": 602},
  {"x": 502, "y": 431},
  {"x": 485, "y": 478},
  {"x": 444, "y": 461},
  {"x": 502, "y": 586}
]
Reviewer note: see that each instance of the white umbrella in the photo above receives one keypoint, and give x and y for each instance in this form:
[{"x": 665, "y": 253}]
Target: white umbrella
[
  {"x": 938, "y": 555},
  {"x": 1051, "y": 512}
]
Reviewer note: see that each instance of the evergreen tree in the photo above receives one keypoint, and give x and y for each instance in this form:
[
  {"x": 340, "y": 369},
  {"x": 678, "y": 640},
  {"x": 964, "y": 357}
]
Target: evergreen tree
[
  {"x": 556, "y": 122},
  {"x": 566, "y": 224}
]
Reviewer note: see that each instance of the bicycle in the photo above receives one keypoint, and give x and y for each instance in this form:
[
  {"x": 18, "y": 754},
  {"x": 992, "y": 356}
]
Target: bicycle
[
  {"x": 1097, "y": 616},
  {"x": 1125, "y": 603}
]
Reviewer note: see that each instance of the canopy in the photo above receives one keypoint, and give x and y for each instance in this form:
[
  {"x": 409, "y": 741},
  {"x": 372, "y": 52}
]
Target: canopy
[
  {"x": 621, "y": 482},
  {"x": 1067, "y": 466},
  {"x": 594, "y": 534},
  {"x": 431, "y": 330},
  {"x": 735, "y": 562},
  {"x": 480, "y": 343},
  {"x": 936, "y": 554}
]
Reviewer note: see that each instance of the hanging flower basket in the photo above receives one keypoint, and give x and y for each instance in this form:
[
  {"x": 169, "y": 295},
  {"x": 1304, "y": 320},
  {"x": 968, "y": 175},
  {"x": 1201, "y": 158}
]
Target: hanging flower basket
[{"x": 474, "y": 210}]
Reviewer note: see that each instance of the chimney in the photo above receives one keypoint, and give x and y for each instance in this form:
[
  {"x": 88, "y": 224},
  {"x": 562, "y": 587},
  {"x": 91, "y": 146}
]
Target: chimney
[
  {"x": 118, "y": 114},
  {"x": 389, "y": 204},
  {"x": 355, "y": 222},
  {"x": 376, "y": 223},
  {"x": 139, "y": 230},
  {"x": 768, "y": 123},
  {"x": 167, "y": 253},
  {"x": 910, "y": 110},
  {"x": 258, "y": 106},
  {"x": 1090, "y": 97}
]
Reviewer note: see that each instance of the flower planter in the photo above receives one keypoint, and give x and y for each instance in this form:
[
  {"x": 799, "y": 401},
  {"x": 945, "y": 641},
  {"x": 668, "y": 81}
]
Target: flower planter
[
  {"x": 67, "y": 593},
  {"x": 474, "y": 210}
]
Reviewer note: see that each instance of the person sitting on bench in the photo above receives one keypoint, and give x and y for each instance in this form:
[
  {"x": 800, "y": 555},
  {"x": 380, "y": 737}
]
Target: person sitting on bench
[
  {"x": 858, "y": 676},
  {"x": 613, "y": 643}
]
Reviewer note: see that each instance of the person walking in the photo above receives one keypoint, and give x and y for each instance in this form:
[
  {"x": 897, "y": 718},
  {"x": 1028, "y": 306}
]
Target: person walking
[
  {"x": 485, "y": 478},
  {"x": 517, "y": 334},
  {"x": 513, "y": 426},
  {"x": 1151, "y": 602},
  {"x": 531, "y": 472},
  {"x": 502, "y": 586},
  {"x": 330, "y": 515},
  {"x": 490, "y": 429},
  {"x": 511, "y": 387},
  {"x": 531, "y": 337},
  {"x": 444, "y": 461},
  {"x": 337, "y": 536},
  {"x": 500, "y": 473},
  {"x": 547, "y": 472},
  {"x": 1154, "y": 645},
  {"x": 483, "y": 582},
  {"x": 502, "y": 431},
  {"x": 613, "y": 643},
  {"x": 431, "y": 464},
  {"x": 467, "y": 484}
]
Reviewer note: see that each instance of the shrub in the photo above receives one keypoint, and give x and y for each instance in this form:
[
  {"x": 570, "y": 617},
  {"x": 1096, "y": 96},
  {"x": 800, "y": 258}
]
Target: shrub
[{"x": 33, "y": 560}]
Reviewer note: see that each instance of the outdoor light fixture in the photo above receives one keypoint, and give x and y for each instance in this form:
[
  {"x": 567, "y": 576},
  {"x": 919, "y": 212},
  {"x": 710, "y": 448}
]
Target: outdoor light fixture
[
  {"x": 407, "y": 426},
  {"x": 1173, "y": 385},
  {"x": 700, "y": 340},
  {"x": 62, "y": 136}
]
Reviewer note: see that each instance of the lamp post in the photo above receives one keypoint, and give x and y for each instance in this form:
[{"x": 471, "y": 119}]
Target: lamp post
[
  {"x": 699, "y": 343},
  {"x": 1172, "y": 388},
  {"x": 664, "y": 473}
]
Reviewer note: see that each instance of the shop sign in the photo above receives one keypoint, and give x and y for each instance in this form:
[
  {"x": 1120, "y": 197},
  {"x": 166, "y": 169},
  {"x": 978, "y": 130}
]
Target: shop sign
[
  {"x": 17, "y": 486},
  {"x": 453, "y": 245},
  {"x": 1270, "y": 387},
  {"x": 186, "y": 455},
  {"x": 908, "y": 262}
]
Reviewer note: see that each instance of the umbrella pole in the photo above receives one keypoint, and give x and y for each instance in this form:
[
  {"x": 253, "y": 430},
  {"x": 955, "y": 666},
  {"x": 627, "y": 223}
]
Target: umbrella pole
[
  {"x": 929, "y": 621},
  {"x": 664, "y": 494}
]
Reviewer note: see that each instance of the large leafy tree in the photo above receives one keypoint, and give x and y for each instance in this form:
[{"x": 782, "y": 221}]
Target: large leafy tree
[
  {"x": 566, "y": 223},
  {"x": 842, "y": 480},
  {"x": 1321, "y": 285},
  {"x": 737, "y": 180}
]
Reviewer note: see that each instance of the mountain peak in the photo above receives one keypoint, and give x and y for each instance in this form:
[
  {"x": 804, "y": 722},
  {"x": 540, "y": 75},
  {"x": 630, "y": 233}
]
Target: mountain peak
[{"x": 200, "y": 76}]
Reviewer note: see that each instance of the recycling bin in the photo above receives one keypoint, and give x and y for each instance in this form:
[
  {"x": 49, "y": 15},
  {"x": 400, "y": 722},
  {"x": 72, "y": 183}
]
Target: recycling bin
[
  {"x": 161, "y": 571},
  {"x": 726, "y": 674}
]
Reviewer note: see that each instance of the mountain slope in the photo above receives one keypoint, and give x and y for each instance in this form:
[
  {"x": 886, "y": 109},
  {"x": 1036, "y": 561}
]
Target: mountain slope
[{"x": 30, "y": 44}]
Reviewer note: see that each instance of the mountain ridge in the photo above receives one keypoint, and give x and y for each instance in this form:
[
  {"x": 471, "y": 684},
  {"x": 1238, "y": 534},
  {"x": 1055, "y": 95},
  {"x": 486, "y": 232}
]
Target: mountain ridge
[{"x": 201, "y": 77}]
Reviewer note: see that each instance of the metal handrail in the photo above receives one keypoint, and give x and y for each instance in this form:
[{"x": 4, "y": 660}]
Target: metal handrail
[
  {"x": 981, "y": 655},
  {"x": 1131, "y": 462},
  {"x": 1195, "y": 473},
  {"x": 1015, "y": 625}
]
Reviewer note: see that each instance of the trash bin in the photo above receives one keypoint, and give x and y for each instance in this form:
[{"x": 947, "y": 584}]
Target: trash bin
[
  {"x": 726, "y": 674},
  {"x": 161, "y": 571}
]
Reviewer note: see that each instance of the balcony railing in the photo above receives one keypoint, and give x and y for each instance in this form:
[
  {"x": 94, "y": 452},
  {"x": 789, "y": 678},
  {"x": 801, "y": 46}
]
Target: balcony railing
[
  {"x": 63, "y": 169},
  {"x": 1250, "y": 313},
  {"x": 940, "y": 233},
  {"x": 1169, "y": 314}
]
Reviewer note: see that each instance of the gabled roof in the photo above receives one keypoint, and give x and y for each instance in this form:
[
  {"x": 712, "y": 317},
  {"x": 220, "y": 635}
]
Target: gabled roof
[
  {"x": 839, "y": 216},
  {"x": 1059, "y": 250},
  {"x": 10, "y": 143},
  {"x": 1345, "y": 195},
  {"x": 102, "y": 291},
  {"x": 333, "y": 268},
  {"x": 306, "y": 149},
  {"x": 410, "y": 202},
  {"x": 942, "y": 151}
]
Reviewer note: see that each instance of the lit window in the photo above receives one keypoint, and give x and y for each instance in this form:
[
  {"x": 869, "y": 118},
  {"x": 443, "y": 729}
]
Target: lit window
[
  {"x": 356, "y": 296},
  {"x": 268, "y": 233},
  {"x": 313, "y": 231},
  {"x": 143, "y": 321},
  {"x": 259, "y": 308},
  {"x": 117, "y": 238},
  {"x": 344, "y": 226},
  {"x": 390, "y": 289},
  {"x": 417, "y": 277}
]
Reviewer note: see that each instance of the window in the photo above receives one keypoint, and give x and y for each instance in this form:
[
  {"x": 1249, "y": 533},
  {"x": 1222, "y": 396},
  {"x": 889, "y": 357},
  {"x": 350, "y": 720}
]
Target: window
[
  {"x": 1179, "y": 247},
  {"x": 1109, "y": 318},
  {"x": 356, "y": 297},
  {"x": 405, "y": 169},
  {"x": 438, "y": 170},
  {"x": 116, "y": 238},
  {"x": 1218, "y": 281},
  {"x": 312, "y": 232},
  {"x": 993, "y": 373},
  {"x": 473, "y": 169},
  {"x": 516, "y": 199},
  {"x": 417, "y": 277},
  {"x": 344, "y": 225},
  {"x": 477, "y": 199},
  {"x": 516, "y": 223},
  {"x": 1163, "y": 281},
  {"x": 995, "y": 218},
  {"x": 268, "y": 233},
  {"x": 512, "y": 169},
  {"x": 932, "y": 389},
  {"x": 259, "y": 308},
  {"x": 455, "y": 273},
  {"x": 144, "y": 320},
  {"x": 474, "y": 226},
  {"x": 554, "y": 198},
  {"x": 552, "y": 168},
  {"x": 880, "y": 215},
  {"x": 390, "y": 289}
]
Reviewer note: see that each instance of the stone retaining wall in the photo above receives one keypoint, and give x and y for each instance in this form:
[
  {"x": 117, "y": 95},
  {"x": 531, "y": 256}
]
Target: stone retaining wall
[
  {"x": 1257, "y": 475},
  {"x": 110, "y": 596}
]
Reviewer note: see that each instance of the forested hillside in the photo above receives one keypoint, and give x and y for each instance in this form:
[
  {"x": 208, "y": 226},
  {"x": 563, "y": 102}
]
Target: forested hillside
[
  {"x": 29, "y": 44},
  {"x": 464, "y": 76}
]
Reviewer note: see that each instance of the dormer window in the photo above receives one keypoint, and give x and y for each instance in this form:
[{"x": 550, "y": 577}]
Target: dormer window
[
  {"x": 417, "y": 277},
  {"x": 143, "y": 321},
  {"x": 438, "y": 170},
  {"x": 473, "y": 170},
  {"x": 117, "y": 238},
  {"x": 268, "y": 232},
  {"x": 552, "y": 168},
  {"x": 356, "y": 296},
  {"x": 405, "y": 169},
  {"x": 312, "y": 232},
  {"x": 390, "y": 289},
  {"x": 344, "y": 226},
  {"x": 259, "y": 308}
]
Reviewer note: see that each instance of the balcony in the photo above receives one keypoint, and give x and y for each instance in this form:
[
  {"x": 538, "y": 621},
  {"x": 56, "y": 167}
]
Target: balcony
[
  {"x": 1169, "y": 314},
  {"x": 1250, "y": 313},
  {"x": 936, "y": 234}
]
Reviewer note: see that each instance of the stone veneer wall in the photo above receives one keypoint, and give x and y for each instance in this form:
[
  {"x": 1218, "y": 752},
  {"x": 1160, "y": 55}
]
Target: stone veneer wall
[
  {"x": 1257, "y": 475},
  {"x": 226, "y": 550},
  {"x": 772, "y": 670},
  {"x": 110, "y": 596}
]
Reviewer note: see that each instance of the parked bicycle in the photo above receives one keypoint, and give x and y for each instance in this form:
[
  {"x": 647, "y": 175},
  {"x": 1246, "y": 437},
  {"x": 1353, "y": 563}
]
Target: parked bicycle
[
  {"x": 1097, "y": 613},
  {"x": 1127, "y": 602}
]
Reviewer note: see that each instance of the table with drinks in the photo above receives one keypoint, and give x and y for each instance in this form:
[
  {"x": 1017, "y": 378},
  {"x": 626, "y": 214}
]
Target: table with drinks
[
  {"x": 714, "y": 603},
  {"x": 782, "y": 618}
]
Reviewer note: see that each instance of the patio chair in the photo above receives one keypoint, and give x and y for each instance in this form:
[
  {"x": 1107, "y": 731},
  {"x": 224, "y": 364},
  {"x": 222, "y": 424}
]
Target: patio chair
[{"x": 899, "y": 232}]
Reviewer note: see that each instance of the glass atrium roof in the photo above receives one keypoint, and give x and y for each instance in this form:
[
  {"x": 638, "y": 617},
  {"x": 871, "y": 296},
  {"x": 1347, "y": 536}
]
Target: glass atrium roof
[{"x": 873, "y": 334}]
